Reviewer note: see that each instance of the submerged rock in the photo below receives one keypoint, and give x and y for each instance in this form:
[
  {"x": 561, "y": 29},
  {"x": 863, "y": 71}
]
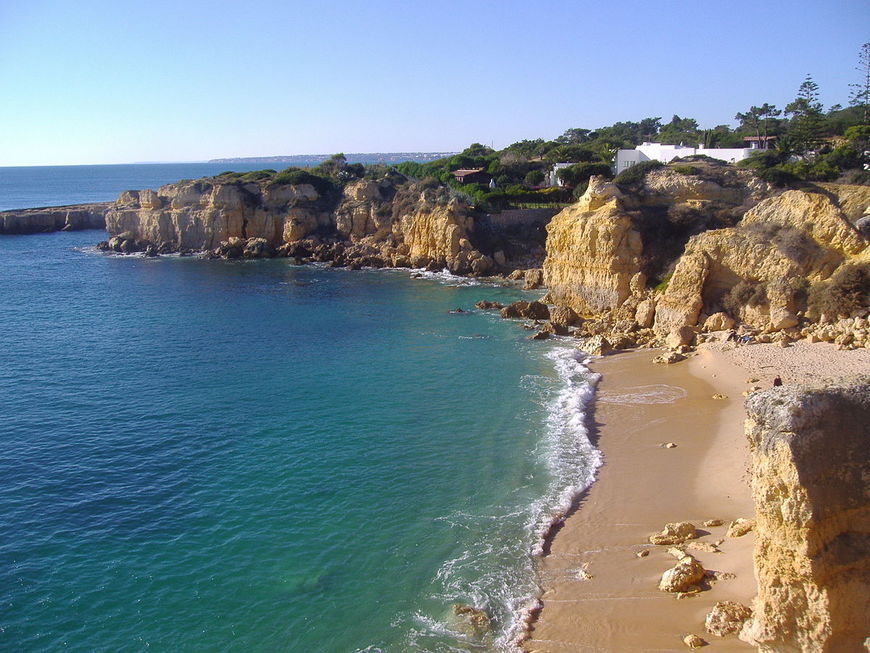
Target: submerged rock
[
  {"x": 470, "y": 620},
  {"x": 526, "y": 310}
]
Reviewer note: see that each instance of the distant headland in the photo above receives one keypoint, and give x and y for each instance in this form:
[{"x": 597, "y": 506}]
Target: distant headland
[{"x": 354, "y": 157}]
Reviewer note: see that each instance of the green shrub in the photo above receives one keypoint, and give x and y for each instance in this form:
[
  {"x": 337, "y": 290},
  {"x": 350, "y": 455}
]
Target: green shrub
[
  {"x": 534, "y": 178},
  {"x": 579, "y": 173},
  {"x": 846, "y": 292},
  {"x": 257, "y": 175},
  {"x": 661, "y": 285},
  {"x": 636, "y": 173},
  {"x": 686, "y": 170},
  {"x": 744, "y": 293},
  {"x": 295, "y": 177}
]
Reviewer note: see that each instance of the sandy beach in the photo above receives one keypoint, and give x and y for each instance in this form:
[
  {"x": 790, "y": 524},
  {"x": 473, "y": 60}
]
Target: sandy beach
[{"x": 599, "y": 595}]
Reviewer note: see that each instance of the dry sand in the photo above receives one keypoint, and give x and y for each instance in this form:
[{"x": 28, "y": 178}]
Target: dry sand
[{"x": 642, "y": 486}]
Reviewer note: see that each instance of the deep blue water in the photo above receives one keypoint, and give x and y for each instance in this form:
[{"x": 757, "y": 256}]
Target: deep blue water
[
  {"x": 255, "y": 456},
  {"x": 37, "y": 186}
]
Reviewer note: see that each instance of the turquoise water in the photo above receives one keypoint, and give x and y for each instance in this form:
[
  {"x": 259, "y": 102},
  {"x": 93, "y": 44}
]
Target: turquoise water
[{"x": 255, "y": 456}]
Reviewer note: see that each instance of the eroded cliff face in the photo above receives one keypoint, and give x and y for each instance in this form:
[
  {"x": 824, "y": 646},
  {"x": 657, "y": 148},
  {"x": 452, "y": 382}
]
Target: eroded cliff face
[
  {"x": 391, "y": 221},
  {"x": 676, "y": 249},
  {"x": 604, "y": 250},
  {"x": 782, "y": 246},
  {"x": 593, "y": 258},
  {"x": 199, "y": 214},
  {"x": 811, "y": 483}
]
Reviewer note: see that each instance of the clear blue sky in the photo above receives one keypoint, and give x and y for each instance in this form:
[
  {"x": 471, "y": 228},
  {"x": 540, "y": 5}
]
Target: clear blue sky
[{"x": 112, "y": 81}]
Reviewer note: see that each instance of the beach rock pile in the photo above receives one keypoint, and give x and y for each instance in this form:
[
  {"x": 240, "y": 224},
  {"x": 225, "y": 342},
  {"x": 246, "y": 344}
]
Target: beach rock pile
[
  {"x": 846, "y": 333},
  {"x": 810, "y": 460}
]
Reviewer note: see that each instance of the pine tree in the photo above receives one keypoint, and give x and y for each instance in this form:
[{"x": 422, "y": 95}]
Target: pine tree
[
  {"x": 807, "y": 117},
  {"x": 860, "y": 95}
]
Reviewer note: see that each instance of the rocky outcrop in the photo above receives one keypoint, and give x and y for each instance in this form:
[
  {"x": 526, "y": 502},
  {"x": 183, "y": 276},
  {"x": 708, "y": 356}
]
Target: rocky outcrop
[
  {"x": 780, "y": 246},
  {"x": 593, "y": 253},
  {"x": 198, "y": 215},
  {"x": 391, "y": 221},
  {"x": 707, "y": 251},
  {"x": 77, "y": 217},
  {"x": 810, "y": 468}
]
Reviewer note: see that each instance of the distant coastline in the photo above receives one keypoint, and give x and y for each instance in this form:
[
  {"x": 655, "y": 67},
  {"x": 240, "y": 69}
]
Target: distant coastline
[{"x": 354, "y": 157}]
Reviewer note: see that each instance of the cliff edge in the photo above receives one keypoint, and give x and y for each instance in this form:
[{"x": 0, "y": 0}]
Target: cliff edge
[
  {"x": 692, "y": 253},
  {"x": 76, "y": 217},
  {"x": 810, "y": 451},
  {"x": 391, "y": 221}
]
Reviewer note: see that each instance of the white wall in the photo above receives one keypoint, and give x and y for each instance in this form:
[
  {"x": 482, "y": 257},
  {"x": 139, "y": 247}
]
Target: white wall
[{"x": 666, "y": 153}]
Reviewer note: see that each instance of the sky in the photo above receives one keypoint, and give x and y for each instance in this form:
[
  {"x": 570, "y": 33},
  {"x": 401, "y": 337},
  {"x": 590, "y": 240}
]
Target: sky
[{"x": 109, "y": 81}]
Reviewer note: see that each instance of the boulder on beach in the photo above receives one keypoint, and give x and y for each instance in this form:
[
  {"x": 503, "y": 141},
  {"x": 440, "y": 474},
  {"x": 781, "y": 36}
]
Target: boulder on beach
[
  {"x": 685, "y": 576},
  {"x": 740, "y": 527},
  {"x": 727, "y": 618},
  {"x": 674, "y": 533}
]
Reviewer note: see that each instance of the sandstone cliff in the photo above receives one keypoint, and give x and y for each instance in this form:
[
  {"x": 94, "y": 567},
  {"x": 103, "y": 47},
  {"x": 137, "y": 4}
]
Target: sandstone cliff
[
  {"x": 54, "y": 218},
  {"x": 759, "y": 271},
  {"x": 389, "y": 221},
  {"x": 675, "y": 249},
  {"x": 604, "y": 250},
  {"x": 810, "y": 470}
]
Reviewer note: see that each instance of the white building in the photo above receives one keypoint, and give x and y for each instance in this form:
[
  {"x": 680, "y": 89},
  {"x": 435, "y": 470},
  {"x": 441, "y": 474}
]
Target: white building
[
  {"x": 553, "y": 178},
  {"x": 665, "y": 153}
]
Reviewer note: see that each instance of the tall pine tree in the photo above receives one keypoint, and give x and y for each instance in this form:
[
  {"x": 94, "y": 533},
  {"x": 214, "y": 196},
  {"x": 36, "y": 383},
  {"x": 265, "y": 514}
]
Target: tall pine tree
[{"x": 807, "y": 119}]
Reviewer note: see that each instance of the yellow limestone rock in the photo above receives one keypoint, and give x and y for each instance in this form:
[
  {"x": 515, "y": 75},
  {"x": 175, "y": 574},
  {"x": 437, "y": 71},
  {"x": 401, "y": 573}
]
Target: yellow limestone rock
[
  {"x": 675, "y": 533},
  {"x": 793, "y": 235},
  {"x": 726, "y": 618},
  {"x": 810, "y": 461},
  {"x": 683, "y": 576},
  {"x": 593, "y": 253}
]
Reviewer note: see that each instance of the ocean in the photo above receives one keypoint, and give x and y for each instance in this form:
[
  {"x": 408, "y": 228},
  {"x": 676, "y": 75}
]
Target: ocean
[
  {"x": 258, "y": 456},
  {"x": 27, "y": 187}
]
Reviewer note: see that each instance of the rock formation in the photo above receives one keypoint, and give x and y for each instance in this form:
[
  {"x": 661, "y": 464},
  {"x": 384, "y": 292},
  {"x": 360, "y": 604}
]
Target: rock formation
[
  {"x": 707, "y": 252},
  {"x": 810, "y": 452},
  {"x": 54, "y": 218},
  {"x": 797, "y": 236},
  {"x": 391, "y": 221}
]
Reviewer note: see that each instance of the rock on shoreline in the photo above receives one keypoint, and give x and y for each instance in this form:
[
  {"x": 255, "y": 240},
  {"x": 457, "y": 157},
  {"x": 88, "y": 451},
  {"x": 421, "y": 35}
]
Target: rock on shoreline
[{"x": 75, "y": 217}]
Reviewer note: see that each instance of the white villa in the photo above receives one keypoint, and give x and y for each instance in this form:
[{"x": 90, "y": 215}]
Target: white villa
[
  {"x": 552, "y": 179},
  {"x": 665, "y": 153}
]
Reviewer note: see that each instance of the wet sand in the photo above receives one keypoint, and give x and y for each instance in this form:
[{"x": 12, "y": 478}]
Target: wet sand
[{"x": 640, "y": 487}]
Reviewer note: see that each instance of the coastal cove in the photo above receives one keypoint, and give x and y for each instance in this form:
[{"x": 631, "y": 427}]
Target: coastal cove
[{"x": 259, "y": 455}]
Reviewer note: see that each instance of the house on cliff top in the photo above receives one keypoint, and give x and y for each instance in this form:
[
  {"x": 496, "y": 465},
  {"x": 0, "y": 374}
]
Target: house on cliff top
[
  {"x": 666, "y": 153},
  {"x": 472, "y": 176}
]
